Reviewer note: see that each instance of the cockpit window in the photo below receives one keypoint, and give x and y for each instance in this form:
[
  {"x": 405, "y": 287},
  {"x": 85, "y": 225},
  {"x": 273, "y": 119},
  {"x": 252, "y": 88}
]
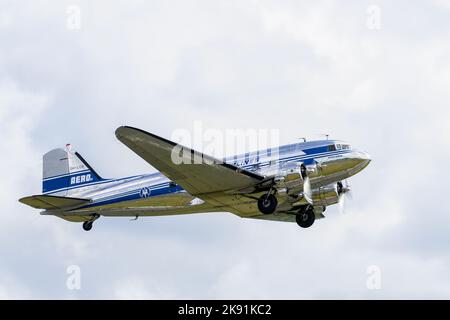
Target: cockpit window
[
  {"x": 332, "y": 147},
  {"x": 340, "y": 146}
]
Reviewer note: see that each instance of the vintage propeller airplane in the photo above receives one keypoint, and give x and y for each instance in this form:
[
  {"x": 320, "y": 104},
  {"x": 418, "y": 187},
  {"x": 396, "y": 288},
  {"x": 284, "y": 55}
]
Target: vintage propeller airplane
[{"x": 293, "y": 183}]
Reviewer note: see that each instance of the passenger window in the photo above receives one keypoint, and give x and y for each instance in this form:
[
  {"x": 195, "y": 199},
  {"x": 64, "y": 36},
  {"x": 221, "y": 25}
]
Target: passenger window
[{"x": 338, "y": 146}]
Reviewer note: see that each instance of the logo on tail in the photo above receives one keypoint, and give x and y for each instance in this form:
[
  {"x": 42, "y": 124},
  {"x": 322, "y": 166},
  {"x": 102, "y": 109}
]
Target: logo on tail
[{"x": 65, "y": 171}]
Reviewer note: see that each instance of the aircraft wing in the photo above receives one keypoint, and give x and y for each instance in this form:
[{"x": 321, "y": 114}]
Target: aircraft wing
[{"x": 209, "y": 175}]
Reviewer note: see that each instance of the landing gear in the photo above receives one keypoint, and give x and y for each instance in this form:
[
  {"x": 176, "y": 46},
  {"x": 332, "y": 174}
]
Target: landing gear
[
  {"x": 87, "y": 225},
  {"x": 267, "y": 204},
  {"x": 305, "y": 218}
]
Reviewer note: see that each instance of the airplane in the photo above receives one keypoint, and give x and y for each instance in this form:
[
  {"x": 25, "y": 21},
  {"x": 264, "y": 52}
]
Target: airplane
[{"x": 291, "y": 183}]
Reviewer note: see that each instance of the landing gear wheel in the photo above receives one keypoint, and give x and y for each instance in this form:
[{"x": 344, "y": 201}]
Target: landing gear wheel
[
  {"x": 267, "y": 204},
  {"x": 87, "y": 225},
  {"x": 305, "y": 218}
]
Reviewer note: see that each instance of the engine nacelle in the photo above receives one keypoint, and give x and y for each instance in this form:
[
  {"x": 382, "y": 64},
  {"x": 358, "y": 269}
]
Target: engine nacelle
[
  {"x": 323, "y": 196},
  {"x": 312, "y": 170},
  {"x": 290, "y": 177},
  {"x": 326, "y": 195}
]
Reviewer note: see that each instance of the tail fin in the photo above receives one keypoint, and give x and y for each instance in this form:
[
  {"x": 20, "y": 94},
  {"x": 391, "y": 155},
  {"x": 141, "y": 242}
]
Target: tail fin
[{"x": 64, "y": 171}]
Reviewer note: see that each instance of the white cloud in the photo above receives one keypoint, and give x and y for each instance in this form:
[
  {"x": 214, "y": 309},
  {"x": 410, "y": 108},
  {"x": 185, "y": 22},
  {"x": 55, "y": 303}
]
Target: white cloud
[
  {"x": 303, "y": 68},
  {"x": 12, "y": 288}
]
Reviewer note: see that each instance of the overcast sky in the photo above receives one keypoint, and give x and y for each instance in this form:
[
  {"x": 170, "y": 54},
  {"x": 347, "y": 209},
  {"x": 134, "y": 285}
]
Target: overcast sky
[{"x": 374, "y": 73}]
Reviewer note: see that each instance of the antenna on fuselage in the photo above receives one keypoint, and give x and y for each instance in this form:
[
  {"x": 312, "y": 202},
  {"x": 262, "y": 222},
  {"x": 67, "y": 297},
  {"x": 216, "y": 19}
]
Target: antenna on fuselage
[{"x": 304, "y": 139}]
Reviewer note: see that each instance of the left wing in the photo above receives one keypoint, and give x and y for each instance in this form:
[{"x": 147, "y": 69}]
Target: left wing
[{"x": 204, "y": 176}]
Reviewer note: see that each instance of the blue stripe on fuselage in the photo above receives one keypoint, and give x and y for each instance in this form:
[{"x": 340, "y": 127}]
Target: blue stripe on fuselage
[
  {"x": 307, "y": 159},
  {"x": 313, "y": 151},
  {"x": 136, "y": 195},
  {"x": 128, "y": 192}
]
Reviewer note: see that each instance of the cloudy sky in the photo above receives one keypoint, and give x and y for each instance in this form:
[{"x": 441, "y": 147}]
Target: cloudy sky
[{"x": 375, "y": 73}]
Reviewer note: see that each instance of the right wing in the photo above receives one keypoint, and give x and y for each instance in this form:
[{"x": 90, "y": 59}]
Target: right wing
[{"x": 209, "y": 176}]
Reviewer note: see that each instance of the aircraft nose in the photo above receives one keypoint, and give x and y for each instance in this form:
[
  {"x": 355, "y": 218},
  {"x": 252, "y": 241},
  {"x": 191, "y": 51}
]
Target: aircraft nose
[{"x": 363, "y": 158}]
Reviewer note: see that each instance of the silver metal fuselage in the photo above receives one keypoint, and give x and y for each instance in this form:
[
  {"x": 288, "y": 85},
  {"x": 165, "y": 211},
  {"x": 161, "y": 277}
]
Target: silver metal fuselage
[{"x": 154, "y": 194}]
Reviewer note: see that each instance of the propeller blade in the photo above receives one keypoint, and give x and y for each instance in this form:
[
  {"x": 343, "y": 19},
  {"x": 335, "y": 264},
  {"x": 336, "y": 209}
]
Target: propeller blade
[
  {"x": 307, "y": 191},
  {"x": 345, "y": 192},
  {"x": 348, "y": 190},
  {"x": 341, "y": 203}
]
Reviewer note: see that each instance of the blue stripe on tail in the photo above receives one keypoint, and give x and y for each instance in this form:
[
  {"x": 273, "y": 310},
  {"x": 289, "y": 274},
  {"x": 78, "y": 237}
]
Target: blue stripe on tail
[{"x": 69, "y": 181}]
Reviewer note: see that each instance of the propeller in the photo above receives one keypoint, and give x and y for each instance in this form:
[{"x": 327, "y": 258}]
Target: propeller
[
  {"x": 344, "y": 191},
  {"x": 307, "y": 191}
]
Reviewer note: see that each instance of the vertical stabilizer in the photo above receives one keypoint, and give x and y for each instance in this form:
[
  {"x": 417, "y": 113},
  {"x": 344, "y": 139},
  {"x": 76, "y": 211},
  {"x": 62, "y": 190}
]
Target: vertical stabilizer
[{"x": 64, "y": 171}]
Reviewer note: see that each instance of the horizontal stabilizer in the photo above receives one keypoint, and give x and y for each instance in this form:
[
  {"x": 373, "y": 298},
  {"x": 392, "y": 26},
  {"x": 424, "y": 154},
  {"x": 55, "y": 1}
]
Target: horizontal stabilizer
[{"x": 52, "y": 202}]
